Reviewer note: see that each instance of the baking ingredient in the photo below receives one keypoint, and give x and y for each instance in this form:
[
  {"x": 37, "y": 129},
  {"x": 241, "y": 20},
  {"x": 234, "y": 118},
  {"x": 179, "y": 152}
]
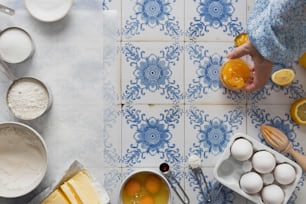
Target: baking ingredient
[
  {"x": 146, "y": 200},
  {"x": 263, "y": 162},
  {"x": 251, "y": 182},
  {"x": 283, "y": 77},
  {"x": 132, "y": 187},
  {"x": 284, "y": 174},
  {"x": 241, "y": 149},
  {"x": 78, "y": 190},
  {"x": 272, "y": 194},
  {"x": 146, "y": 188},
  {"x": 27, "y": 98},
  {"x": 302, "y": 60},
  {"x": 234, "y": 74},
  {"x": 194, "y": 161},
  {"x": 278, "y": 140},
  {"x": 298, "y": 111},
  {"x": 23, "y": 160},
  {"x": 153, "y": 184},
  {"x": 241, "y": 39},
  {"x": 15, "y": 45}
]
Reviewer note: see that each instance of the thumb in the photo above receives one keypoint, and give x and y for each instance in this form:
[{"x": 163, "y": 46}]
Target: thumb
[{"x": 239, "y": 52}]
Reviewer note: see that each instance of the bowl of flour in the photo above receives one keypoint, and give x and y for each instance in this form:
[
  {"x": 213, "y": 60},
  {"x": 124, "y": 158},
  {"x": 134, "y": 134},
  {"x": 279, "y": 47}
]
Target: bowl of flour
[
  {"x": 28, "y": 98},
  {"x": 23, "y": 159}
]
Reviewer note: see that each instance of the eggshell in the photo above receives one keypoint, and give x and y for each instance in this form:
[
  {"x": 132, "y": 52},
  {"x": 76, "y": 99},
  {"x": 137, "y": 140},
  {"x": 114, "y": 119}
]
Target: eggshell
[
  {"x": 272, "y": 194},
  {"x": 263, "y": 162},
  {"x": 284, "y": 174},
  {"x": 251, "y": 182},
  {"x": 242, "y": 149}
]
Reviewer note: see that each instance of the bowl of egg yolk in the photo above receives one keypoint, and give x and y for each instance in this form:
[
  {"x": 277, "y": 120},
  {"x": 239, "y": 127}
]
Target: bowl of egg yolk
[{"x": 145, "y": 187}]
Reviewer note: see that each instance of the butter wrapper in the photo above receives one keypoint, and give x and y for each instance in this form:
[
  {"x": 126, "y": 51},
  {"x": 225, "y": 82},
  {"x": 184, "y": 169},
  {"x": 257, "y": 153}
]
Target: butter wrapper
[{"x": 74, "y": 168}]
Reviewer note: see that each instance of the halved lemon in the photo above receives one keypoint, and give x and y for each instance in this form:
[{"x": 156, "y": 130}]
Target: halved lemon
[
  {"x": 302, "y": 60},
  {"x": 241, "y": 39},
  {"x": 298, "y": 111},
  {"x": 283, "y": 77}
]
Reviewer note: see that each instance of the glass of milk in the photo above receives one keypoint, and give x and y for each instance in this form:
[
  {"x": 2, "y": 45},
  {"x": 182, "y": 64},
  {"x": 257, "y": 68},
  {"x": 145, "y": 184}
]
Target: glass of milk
[{"x": 16, "y": 45}]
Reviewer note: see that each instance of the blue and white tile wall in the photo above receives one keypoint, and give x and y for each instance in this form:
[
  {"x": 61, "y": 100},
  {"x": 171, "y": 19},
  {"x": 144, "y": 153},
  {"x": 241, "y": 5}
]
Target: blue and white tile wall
[{"x": 164, "y": 101}]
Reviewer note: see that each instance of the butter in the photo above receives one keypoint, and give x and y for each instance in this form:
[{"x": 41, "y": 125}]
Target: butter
[
  {"x": 77, "y": 190},
  {"x": 56, "y": 197}
]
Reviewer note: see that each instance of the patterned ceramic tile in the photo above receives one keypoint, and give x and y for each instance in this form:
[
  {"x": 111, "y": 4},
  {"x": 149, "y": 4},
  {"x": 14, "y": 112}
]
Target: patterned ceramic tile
[
  {"x": 151, "y": 135},
  {"x": 152, "y": 20},
  {"x": 208, "y": 129},
  {"x": 214, "y": 20},
  {"x": 202, "y": 82},
  {"x": 274, "y": 94},
  {"x": 215, "y": 191},
  {"x": 115, "y": 7},
  {"x": 152, "y": 73}
]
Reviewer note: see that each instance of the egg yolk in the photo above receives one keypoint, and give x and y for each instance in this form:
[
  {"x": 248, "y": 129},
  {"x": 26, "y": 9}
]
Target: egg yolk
[
  {"x": 152, "y": 184},
  {"x": 146, "y": 200},
  {"x": 235, "y": 73},
  {"x": 132, "y": 187}
]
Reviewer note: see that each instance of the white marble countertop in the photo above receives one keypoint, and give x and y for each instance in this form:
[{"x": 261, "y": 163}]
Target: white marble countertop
[{"x": 153, "y": 97}]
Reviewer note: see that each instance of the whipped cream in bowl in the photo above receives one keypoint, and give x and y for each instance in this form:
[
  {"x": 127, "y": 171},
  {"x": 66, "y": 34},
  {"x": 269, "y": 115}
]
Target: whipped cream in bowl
[{"x": 23, "y": 159}]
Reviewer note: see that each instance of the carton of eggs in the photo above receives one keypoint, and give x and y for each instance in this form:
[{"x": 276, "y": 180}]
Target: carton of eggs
[{"x": 256, "y": 171}]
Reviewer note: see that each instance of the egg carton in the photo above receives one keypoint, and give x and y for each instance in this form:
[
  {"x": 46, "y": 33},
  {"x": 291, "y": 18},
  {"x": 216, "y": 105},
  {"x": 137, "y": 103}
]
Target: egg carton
[{"x": 228, "y": 170}]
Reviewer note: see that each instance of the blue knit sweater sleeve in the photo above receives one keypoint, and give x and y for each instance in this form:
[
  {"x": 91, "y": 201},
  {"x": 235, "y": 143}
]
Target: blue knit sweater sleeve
[{"x": 277, "y": 28}]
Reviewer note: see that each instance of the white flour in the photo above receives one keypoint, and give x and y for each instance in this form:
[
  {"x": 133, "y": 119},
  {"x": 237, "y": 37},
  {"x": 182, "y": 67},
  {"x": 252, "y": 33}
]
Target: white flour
[
  {"x": 15, "y": 45},
  {"x": 28, "y": 99},
  {"x": 22, "y": 160}
]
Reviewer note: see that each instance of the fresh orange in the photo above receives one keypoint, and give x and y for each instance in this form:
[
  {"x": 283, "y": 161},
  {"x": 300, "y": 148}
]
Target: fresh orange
[
  {"x": 146, "y": 200},
  {"x": 283, "y": 77},
  {"x": 234, "y": 74},
  {"x": 241, "y": 39},
  {"x": 152, "y": 184},
  {"x": 302, "y": 60},
  {"x": 298, "y": 111},
  {"x": 132, "y": 187}
]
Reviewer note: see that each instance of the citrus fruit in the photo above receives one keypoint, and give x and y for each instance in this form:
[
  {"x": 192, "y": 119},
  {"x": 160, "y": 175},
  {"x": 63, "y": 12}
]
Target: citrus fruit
[
  {"x": 234, "y": 74},
  {"x": 132, "y": 187},
  {"x": 298, "y": 111},
  {"x": 283, "y": 77},
  {"x": 146, "y": 200},
  {"x": 241, "y": 39},
  {"x": 302, "y": 60},
  {"x": 152, "y": 184}
]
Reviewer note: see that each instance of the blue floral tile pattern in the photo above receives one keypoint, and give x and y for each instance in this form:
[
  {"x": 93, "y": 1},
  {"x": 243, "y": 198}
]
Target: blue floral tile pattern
[{"x": 170, "y": 103}]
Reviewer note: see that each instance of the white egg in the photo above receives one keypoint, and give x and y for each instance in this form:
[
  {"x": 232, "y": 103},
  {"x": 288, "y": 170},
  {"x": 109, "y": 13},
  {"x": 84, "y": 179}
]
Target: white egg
[
  {"x": 284, "y": 174},
  {"x": 251, "y": 182},
  {"x": 242, "y": 149},
  {"x": 272, "y": 194},
  {"x": 263, "y": 162}
]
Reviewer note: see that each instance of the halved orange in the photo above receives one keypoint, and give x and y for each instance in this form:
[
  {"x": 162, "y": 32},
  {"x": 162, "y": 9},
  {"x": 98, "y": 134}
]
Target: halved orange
[
  {"x": 302, "y": 60},
  {"x": 234, "y": 74},
  {"x": 241, "y": 39},
  {"x": 298, "y": 111},
  {"x": 283, "y": 77}
]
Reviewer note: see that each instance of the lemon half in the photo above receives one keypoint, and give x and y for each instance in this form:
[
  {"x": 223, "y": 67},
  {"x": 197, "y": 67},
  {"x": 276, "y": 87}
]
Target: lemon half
[
  {"x": 298, "y": 111},
  {"x": 283, "y": 77}
]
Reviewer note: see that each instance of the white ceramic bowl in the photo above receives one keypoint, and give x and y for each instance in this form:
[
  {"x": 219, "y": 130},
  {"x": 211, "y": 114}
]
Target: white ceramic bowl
[
  {"x": 149, "y": 172},
  {"x": 48, "y": 10},
  {"x": 23, "y": 159}
]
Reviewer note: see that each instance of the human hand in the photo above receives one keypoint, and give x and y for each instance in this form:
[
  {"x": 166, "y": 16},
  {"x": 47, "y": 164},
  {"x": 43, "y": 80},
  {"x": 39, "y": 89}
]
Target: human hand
[{"x": 261, "y": 69}]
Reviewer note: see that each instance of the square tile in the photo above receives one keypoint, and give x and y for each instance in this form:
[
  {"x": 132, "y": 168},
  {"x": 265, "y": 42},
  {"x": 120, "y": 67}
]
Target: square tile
[
  {"x": 214, "y": 20},
  {"x": 208, "y": 129},
  {"x": 152, "y": 20},
  {"x": 203, "y": 61},
  {"x": 151, "y": 135},
  {"x": 152, "y": 73}
]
